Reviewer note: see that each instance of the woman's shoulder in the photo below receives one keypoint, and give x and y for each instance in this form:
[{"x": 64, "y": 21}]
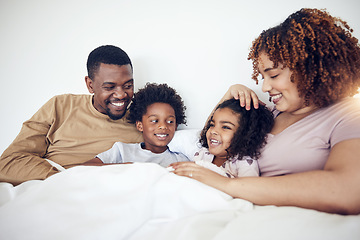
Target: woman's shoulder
[{"x": 349, "y": 106}]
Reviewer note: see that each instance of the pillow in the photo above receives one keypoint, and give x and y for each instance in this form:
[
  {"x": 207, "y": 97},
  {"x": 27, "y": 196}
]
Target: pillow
[{"x": 186, "y": 141}]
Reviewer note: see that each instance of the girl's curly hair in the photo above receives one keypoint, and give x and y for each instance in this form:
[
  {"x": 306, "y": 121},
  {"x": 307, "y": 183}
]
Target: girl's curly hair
[
  {"x": 250, "y": 137},
  {"x": 156, "y": 93},
  {"x": 319, "y": 50}
]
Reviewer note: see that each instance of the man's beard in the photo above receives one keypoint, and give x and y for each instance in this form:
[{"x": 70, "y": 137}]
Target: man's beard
[{"x": 114, "y": 117}]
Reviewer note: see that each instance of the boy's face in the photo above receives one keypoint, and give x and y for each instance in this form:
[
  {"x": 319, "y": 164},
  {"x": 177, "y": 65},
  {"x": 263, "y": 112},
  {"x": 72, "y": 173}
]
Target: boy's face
[
  {"x": 158, "y": 126},
  {"x": 223, "y": 126}
]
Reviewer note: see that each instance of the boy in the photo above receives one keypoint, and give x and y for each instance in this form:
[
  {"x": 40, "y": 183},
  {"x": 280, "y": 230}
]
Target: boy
[{"x": 156, "y": 111}]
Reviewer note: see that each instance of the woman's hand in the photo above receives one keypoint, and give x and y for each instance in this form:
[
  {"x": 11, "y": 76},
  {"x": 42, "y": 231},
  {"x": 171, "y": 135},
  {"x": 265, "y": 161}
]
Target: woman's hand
[
  {"x": 204, "y": 175},
  {"x": 244, "y": 94}
]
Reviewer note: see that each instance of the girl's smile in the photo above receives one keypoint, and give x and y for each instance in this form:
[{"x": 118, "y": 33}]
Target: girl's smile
[{"x": 223, "y": 126}]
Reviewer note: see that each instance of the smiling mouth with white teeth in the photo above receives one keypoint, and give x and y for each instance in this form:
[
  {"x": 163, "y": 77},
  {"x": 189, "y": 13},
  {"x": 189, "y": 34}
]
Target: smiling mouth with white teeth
[
  {"x": 214, "y": 142},
  {"x": 118, "y": 104},
  {"x": 275, "y": 98},
  {"x": 161, "y": 135}
]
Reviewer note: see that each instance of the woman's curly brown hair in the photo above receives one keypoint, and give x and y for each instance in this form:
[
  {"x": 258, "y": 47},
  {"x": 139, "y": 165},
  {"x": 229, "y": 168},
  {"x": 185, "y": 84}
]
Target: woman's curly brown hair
[
  {"x": 250, "y": 137},
  {"x": 319, "y": 50}
]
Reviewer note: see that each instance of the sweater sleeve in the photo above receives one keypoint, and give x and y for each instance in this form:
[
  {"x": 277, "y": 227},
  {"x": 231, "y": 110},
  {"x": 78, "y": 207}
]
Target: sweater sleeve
[{"x": 24, "y": 159}]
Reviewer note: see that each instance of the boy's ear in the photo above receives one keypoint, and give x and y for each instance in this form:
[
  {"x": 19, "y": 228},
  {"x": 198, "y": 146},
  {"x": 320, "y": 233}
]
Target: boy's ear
[{"x": 139, "y": 126}]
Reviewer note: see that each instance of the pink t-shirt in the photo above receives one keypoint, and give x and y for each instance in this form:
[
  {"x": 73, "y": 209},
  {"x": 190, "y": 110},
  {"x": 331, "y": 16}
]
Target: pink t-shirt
[{"x": 306, "y": 144}]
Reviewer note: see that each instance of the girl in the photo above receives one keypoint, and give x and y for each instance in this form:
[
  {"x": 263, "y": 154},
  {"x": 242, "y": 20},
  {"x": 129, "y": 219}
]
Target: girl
[{"x": 232, "y": 139}]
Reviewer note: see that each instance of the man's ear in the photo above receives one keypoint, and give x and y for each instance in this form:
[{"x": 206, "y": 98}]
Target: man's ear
[
  {"x": 89, "y": 84},
  {"x": 139, "y": 126}
]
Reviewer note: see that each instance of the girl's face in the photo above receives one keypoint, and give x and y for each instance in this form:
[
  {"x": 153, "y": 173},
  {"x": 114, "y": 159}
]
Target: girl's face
[
  {"x": 223, "y": 125},
  {"x": 276, "y": 81}
]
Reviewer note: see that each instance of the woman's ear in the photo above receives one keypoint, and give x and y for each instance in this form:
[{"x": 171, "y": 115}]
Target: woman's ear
[
  {"x": 89, "y": 84},
  {"x": 139, "y": 126}
]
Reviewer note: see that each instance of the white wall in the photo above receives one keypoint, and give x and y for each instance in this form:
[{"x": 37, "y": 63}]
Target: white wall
[{"x": 199, "y": 47}]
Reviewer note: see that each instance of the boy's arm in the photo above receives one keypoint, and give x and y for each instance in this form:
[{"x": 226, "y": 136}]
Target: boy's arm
[
  {"x": 97, "y": 162},
  {"x": 94, "y": 162}
]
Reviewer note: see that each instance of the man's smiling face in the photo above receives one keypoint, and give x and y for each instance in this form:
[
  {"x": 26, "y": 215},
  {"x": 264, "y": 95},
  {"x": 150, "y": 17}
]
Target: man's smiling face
[{"x": 113, "y": 88}]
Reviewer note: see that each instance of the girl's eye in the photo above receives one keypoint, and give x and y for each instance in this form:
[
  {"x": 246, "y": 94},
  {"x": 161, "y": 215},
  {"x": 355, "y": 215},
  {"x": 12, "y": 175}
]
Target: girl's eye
[
  {"x": 153, "y": 121},
  {"x": 226, "y": 127},
  {"x": 274, "y": 76},
  {"x": 170, "y": 121}
]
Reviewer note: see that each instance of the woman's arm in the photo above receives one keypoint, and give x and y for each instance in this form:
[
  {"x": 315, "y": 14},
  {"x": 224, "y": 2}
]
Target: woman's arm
[
  {"x": 244, "y": 94},
  {"x": 335, "y": 189},
  {"x": 241, "y": 92}
]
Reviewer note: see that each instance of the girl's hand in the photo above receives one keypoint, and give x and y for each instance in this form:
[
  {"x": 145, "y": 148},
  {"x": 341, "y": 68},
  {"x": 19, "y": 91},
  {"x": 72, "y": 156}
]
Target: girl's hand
[
  {"x": 244, "y": 94},
  {"x": 204, "y": 175}
]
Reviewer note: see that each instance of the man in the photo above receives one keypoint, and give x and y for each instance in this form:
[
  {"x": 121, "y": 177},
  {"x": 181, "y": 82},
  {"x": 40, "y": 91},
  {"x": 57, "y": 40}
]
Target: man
[{"x": 71, "y": 129}]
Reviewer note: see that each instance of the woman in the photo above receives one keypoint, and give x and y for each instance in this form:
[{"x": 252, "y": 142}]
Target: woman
[{"x": 310, "y": 66}]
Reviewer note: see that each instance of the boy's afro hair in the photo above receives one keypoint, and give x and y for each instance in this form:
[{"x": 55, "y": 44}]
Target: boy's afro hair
[{"x": 156, "y": 93}]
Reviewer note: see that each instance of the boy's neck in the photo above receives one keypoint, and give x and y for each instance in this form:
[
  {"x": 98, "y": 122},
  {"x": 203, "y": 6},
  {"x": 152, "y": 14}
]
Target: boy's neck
[{"x": 154, "y": 149}]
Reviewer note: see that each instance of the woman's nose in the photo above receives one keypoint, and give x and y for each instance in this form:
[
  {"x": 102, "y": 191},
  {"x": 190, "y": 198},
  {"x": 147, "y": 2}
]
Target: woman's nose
[{"x": 266, "y": 87}]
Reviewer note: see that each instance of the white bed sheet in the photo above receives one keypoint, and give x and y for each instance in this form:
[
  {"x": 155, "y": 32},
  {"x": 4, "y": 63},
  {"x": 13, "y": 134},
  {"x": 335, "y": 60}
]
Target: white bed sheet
[{"x": 145, "y": 201}]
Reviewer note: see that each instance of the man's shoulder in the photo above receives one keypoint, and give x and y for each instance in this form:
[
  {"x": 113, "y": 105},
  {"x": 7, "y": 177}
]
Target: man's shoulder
[{"x": 71, "y": 97}]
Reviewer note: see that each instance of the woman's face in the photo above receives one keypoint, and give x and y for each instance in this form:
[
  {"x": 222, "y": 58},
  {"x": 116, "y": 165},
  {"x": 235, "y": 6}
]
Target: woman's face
[{"x": 276, "y": 81}]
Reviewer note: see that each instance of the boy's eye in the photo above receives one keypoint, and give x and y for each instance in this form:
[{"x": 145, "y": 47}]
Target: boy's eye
[
  {"x": 170, "y": 121},
  {"x": 154, "y": 121}
]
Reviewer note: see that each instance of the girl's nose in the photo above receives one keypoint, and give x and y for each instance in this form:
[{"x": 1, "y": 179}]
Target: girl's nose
[{"x": 213, "y": 131}]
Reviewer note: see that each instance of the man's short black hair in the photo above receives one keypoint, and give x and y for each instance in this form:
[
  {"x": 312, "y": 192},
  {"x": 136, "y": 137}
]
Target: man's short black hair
[
  {"x": 107, "y": 54},
  {"x": 156, "y": 93}
]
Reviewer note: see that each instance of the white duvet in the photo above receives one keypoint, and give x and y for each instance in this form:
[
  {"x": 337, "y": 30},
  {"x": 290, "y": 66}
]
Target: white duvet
[{"x": 145, "y": 201}]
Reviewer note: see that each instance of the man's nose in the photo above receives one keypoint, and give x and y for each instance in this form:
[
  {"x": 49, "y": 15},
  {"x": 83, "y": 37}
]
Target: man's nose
[{"x": 119, "y": 93}]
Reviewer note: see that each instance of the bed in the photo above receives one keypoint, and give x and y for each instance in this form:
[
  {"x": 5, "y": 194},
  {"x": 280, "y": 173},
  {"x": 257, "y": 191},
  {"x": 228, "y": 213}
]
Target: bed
[{"x": 146, "y": 201}]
